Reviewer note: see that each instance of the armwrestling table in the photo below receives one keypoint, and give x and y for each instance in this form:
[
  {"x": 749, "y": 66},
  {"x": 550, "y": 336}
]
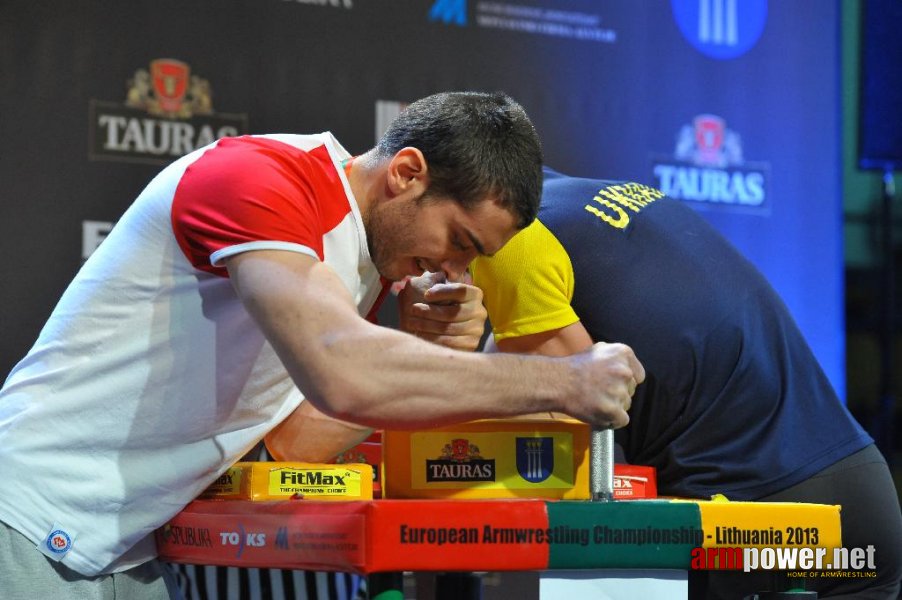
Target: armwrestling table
[{"x": 636, "y": 548}]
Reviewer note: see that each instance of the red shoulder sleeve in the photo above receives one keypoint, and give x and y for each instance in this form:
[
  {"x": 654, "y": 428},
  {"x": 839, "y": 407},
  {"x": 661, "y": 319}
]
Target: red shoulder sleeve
[{"x": 255, "y": 193}]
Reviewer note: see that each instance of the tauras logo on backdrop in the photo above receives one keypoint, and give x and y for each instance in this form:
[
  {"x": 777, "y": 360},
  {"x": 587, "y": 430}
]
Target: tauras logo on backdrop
[
  {"x": 707, "y": 167},
  {"x": 168, "y": 112}
]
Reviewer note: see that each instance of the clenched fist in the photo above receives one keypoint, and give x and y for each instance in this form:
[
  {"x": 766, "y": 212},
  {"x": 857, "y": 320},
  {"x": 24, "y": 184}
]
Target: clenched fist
[
  {"x": 605, "y": 380},
  {"x": 447, "y": 313}
]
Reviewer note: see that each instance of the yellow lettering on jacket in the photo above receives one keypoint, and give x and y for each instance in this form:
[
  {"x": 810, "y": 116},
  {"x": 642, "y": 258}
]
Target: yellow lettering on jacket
[
  {"x": 632, "y": 196},
  {"x": 620, "y": 222}
]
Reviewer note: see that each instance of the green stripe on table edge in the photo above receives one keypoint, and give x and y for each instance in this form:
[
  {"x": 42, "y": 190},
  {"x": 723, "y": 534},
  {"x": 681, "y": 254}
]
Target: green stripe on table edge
[{"x": 629, "y": 534}]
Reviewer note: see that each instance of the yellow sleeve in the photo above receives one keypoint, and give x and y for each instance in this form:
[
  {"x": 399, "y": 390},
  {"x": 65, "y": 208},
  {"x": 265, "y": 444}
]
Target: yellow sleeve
[{"x": 527, "y": 285}]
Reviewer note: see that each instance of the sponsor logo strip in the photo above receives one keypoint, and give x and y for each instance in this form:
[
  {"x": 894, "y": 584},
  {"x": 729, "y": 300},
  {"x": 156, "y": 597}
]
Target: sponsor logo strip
[{"x": 271, "y": 535}]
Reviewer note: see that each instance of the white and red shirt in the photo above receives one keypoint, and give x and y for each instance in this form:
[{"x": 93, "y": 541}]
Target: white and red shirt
[{"x": 150, "y": 379}]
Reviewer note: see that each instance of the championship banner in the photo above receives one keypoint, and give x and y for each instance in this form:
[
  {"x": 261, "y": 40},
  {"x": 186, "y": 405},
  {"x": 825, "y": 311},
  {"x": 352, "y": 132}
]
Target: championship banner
[{"x": 486, "y": 535}]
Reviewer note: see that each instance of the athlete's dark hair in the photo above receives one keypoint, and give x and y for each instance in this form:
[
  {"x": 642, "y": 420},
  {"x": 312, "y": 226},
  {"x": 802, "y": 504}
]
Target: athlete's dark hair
[{"x": 475, "y": 144}]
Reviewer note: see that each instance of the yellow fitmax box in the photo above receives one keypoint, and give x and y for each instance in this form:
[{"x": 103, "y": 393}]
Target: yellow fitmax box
[
  {"x": 530, "y": 457},
  {"x": 287, "y": 480}
]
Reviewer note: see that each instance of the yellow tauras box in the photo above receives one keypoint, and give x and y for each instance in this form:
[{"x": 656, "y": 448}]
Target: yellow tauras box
[
  {"x": 529, "y": 457},
  {"x": 286, "y": 480}
]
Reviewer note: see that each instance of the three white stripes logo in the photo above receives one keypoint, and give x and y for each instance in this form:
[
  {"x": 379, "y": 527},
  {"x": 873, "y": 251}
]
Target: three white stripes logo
[{"x": 718, "y": 22}]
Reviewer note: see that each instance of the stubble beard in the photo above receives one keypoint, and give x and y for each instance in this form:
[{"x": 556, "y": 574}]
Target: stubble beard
[
  {"x": 390, "y": 236},
  {"x": 382, "y": 240}
]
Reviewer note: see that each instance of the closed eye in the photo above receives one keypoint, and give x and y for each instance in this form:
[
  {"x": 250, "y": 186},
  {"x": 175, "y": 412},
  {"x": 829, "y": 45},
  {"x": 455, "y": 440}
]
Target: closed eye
[{"x": 459, "y": 245}]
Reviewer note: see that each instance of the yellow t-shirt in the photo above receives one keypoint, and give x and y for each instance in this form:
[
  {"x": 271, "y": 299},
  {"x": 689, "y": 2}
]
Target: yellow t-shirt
[{"x": 528, "y": 284}]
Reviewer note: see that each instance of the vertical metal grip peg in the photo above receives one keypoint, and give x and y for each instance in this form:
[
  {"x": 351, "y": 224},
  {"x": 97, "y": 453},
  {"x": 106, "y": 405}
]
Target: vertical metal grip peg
[{"x": 601, "y": 465}]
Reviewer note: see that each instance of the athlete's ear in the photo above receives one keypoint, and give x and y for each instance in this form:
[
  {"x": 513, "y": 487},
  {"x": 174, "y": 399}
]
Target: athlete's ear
[{"x": 408, "y": 173}]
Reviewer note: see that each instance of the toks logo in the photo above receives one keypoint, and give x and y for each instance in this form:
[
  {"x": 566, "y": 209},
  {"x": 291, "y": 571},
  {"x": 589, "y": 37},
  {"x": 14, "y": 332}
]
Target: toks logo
[
  {"x": 460, "y": 461},
  {"x": 168, "y": 112},
  {"x": 708, "y": 167},
  {"x": 242, "y": 539}
]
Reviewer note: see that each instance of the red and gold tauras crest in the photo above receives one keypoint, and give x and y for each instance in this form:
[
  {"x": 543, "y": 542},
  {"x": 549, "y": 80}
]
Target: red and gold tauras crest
[
  {"x": 170, "y": 82},
  {"x": 169, "y": 90},
  {"x": 460, "y": 449},
  {"x": 709, "y": 136}
]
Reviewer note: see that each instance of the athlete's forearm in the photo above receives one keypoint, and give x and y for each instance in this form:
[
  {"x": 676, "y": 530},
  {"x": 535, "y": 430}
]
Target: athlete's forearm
[
  {"x": 391, "y": 379},
  {"x": 379, "y": 377}
]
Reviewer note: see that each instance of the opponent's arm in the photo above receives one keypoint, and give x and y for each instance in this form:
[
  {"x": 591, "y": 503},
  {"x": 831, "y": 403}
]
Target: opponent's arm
[
  {"x": 565, "y": 341},
  {"x": 378, "y": 377}
]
